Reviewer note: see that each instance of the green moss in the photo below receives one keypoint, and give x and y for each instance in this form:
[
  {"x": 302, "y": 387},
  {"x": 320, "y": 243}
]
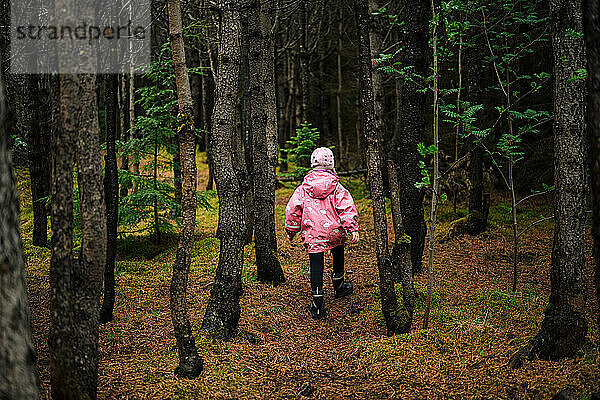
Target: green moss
[
  {"x": 373, "y": 309},
  {"x": 404, "y": 239}
]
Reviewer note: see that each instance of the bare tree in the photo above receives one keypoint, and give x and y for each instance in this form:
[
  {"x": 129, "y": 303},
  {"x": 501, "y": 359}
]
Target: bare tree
[
  {"x": 374, "y": 166},
  {"x": 17, "y": 354},
  {"x": 564, "y": 326},
  {"x": 190, "y": 363},
  {"x": 223, "y": 310}
]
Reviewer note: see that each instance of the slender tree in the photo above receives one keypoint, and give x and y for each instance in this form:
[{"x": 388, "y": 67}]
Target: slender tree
[
  {"x": 190, "y": 363},
  {"x": 38, "y": 140},
  {"x": 436, "y": 167},
  {"x": 374, "y": 166},
  {"x": 592, "y": 38},
  {"x": 111, "y": 195},
  {"x": 17, "y": 354},
  {"x": 223, "y": 310},
  {"x": 564, "y": 326},
  {"x": 263, "y": 129},
  {"x": 416, "y": 37}
]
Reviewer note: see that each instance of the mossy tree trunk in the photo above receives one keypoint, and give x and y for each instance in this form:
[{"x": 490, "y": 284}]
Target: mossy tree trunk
[
  {"x": 401, "y": 265},
  {"x": 190, "y": 363},
  {"x": 223, "y": 309}
]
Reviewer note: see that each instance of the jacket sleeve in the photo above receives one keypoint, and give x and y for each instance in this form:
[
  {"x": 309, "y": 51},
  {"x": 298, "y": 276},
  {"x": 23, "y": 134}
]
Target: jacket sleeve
[
  {"x": 346, "y": 209},
  {"x": 293, "y": 211}
]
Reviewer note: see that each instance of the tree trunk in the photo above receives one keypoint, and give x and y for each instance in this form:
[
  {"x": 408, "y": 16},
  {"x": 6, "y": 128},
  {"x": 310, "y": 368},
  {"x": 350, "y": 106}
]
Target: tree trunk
[
  {"x": 223, "y": 309},
  {"x": 177, "y": 177},
  {"x": 401, "y": 265},
  {"x": 304, "y": 81},
  {"x": 416, "y": 39},
  {"x": 111, "y": 195},
  {"x": 190, "y": 363},
  {"x": 592, "y": 35},
  {"x": 38, "y": 138},
  {"x": 75, "y": 284},
  {"x": 436, "y": 168},
  {"x": 127, "y": 115},
  {"x": 477, "y": 217},
  {"x": 564, "y": 326},
  {"x": 338, "y": 92},
  {"x": 17, "y": 354},
  {"x": 389, "y": 304},
  {"x": 244, "y": 144},
  {"x": 263, "y": 130},
  {"x": 208, "y": 94}
]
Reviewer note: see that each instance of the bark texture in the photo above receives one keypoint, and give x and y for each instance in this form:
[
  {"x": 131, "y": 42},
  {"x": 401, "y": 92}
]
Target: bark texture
[
  {"x": 223, "y": 310},
  {"x": 592, "y": 35},
  {"x": 416, "y": 39},
  {"x": 564, "y": 326},
  {"x": 389, "y": 305},
  {"x": 190, "y": 363},
  {"x": 18, "y": 371},
  {"x": 263, "y": 130},
  {"x": 75, "y": 283},
  {"x": 111, "y": 195}
]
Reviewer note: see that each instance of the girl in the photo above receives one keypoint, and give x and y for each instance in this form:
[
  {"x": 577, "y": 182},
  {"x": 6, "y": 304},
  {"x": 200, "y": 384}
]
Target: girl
[{"x": 325, "y": 214}]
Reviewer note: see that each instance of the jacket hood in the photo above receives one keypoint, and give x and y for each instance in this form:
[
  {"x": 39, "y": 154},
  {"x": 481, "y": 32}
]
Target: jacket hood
[{"x": 320, "y": 184}]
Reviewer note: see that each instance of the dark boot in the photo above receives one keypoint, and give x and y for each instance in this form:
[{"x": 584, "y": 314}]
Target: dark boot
[
  {"x": 317, "y": 306},
  {"x": 340, "y": 287}
]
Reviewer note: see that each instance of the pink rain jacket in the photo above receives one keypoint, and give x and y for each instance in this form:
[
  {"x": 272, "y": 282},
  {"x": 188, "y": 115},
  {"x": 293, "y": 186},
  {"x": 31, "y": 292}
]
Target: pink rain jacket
[{"x": 322, "y": 210}]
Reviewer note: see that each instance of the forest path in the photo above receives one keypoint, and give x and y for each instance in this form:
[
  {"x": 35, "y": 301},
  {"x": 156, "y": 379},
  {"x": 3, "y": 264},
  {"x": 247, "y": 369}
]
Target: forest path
[{"x": 282, "y": 353}]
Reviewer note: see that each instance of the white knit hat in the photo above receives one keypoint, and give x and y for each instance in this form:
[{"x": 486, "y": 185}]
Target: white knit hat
[{"x": 322, "y": 158}]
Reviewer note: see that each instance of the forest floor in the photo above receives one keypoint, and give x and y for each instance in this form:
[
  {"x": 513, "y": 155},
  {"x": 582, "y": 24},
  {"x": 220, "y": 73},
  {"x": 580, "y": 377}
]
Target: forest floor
[{"x": 477, "y": 322}]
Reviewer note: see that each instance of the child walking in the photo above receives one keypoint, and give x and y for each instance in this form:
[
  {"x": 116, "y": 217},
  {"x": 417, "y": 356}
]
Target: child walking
[{"x": 325, "y": 214}]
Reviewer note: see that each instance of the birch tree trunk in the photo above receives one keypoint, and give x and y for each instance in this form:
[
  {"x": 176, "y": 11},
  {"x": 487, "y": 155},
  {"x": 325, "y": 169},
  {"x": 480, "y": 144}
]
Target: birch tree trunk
[
  {"x": 190, "y": 363},
  {"x": 592, "y": 37},
  {"x": 223, "y": 310},
  {"x": 374, "y": 166},
  {"x": 17, "y": 355},
  {"x": 564, "y": 327}
]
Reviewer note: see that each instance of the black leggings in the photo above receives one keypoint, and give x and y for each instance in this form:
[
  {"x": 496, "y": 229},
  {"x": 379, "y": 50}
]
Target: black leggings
[{"x": 317, "y": 265}]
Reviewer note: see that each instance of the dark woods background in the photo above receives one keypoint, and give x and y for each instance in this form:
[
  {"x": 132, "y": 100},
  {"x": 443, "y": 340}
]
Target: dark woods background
[{"x": 316, "y": 54}]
